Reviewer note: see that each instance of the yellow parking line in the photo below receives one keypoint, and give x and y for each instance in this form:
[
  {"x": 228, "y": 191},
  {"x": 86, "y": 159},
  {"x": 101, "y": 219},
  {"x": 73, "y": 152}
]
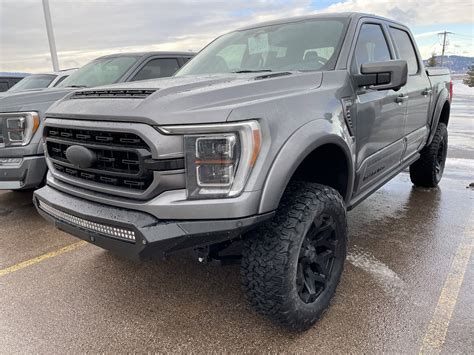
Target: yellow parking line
[
  {"x": 41, "y": 258},
  {"x": 438, "y": 327}
]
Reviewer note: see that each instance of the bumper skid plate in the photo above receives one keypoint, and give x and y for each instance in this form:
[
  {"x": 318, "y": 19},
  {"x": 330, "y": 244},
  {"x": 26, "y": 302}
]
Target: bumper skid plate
[{"x": 134, "y": 234}]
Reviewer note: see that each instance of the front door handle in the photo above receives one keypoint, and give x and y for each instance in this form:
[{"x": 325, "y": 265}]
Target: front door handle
[
  {"x": 401, "y": 98},
  {"x": 427, "y": 92}
]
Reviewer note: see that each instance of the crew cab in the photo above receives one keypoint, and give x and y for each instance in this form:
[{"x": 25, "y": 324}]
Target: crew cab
[
  {"x": 22, "y": 164},
  {"x": 265, "y": 138}
]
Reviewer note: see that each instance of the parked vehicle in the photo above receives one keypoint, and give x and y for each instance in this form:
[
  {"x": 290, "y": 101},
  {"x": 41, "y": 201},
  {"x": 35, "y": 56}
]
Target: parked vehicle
[
  {"x": 61, "y": 76},
  {"x": 22, "y": 164},
  {"x": 39, "y": 81},
  {"x": 268, "y": 136},
  {"x": 7, "y": 80}
]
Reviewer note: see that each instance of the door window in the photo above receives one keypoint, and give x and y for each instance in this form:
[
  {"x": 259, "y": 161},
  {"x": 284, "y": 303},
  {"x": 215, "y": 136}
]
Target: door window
[
  {"x": 60, "y": 80},
  {"x": 371, "y": 45},
  {"x": 3, "y": 86},
  {"x": 157, "y": 68},
  {"x": 405, "y": 49}
]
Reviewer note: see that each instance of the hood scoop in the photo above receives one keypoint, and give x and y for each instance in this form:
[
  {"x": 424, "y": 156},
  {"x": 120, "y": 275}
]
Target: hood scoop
[{"x": 113, "y": 94}]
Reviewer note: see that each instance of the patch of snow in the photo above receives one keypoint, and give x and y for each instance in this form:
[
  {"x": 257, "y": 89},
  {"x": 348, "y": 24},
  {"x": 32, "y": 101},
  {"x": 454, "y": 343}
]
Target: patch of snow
[
  {"x": 390, "y": 282},
  {"x": 461, "y": 89}
]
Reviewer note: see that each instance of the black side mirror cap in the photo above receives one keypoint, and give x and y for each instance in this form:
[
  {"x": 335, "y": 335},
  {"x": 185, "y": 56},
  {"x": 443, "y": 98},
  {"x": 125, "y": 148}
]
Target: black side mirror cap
[{"x": 392, "y": 74}]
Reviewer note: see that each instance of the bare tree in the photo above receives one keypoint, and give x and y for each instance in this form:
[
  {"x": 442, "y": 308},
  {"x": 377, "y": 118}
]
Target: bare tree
[{"x": 432, "y": 62}]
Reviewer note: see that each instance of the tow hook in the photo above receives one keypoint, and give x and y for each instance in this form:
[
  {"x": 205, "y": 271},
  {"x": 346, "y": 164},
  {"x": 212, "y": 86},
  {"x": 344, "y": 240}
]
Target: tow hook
[{"x": 205, "y": 255}]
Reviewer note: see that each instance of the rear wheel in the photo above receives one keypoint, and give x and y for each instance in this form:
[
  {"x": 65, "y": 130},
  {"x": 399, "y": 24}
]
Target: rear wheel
[
  {"x": 292, "y": 265},
  {"x": 428, "y": 170}
]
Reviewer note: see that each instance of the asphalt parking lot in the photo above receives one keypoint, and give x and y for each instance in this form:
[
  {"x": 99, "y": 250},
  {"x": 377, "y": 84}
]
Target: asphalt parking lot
[{"x": 408, "y": 284}]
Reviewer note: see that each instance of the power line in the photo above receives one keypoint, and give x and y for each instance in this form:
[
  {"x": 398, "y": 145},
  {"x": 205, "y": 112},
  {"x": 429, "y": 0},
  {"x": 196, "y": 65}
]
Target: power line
[
  {"x": 462, "y": 35},
  {"x": 444, "y": 34}
]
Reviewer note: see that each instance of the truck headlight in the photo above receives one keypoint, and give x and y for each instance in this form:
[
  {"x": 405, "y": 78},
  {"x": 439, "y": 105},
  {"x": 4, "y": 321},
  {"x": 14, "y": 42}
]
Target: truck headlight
[
  {"x": 17, "y": 129},
  {"x": 219, "y": 157}
]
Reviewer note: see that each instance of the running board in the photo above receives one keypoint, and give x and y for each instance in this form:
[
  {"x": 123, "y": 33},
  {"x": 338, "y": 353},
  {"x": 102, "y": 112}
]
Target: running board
[{"x": 359, "y": 198}]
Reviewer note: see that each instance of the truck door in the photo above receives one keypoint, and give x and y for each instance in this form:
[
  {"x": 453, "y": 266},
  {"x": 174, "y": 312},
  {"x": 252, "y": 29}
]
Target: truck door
[
  {"x": 380, "y": 115},
  {"x": 418, "y": 90}
]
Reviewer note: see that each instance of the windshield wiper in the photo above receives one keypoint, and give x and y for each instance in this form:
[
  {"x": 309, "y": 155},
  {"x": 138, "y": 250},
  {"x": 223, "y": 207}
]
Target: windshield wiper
[
  {"x": 76, "y": 86},
  {"x": 253, "y": 71}
]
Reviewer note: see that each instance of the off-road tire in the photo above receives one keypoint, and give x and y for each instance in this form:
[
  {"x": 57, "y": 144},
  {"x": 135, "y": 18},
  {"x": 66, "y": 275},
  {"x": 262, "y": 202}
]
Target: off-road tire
[
  {"x": 428, "y": 170},
  {"x": 271, "y": 255}
]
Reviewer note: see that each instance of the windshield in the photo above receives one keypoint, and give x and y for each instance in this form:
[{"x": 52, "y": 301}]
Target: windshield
[
  {"x": 34, "y": 81},
  {"x": 102, "y": 71},
  {"x": 300, "y": 46}
]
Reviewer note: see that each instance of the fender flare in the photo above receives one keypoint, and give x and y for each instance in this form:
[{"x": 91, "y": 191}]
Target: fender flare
[
  {"x": 443, "y": 97},
  {"x": 303, "y": 141}
]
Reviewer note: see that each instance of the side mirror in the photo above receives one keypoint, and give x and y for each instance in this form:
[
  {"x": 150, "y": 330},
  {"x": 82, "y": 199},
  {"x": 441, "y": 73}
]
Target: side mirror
[{"x": 391, "y": 74}]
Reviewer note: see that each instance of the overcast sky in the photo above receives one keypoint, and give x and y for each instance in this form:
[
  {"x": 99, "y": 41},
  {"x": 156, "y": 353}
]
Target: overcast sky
[{"x": 86, "y": 29}]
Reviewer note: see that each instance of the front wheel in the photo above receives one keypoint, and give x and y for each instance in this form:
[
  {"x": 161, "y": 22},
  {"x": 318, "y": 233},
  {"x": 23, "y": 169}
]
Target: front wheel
[
  {"x": 428, "y": 170},
  {"x": 292, "y": 265}
]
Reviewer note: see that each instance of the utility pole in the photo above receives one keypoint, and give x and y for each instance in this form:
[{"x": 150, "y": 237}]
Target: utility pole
[
  {"x": 49, "y": 30},
  {"x": 445, "y": 33}
]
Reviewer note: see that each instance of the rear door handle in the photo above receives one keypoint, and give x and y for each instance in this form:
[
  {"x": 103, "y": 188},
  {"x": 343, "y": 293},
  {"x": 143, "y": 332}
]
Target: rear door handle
[
  {"x": 401, "y": 98},
  {"x": 427, "y": 92}
]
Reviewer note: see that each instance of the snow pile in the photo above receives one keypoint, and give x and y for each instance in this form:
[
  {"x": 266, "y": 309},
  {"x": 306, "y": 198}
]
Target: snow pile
[{"x": 461, "y": 89}]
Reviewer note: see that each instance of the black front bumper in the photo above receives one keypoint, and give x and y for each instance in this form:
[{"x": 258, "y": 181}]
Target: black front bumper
[{"x": 153, "y": 238}]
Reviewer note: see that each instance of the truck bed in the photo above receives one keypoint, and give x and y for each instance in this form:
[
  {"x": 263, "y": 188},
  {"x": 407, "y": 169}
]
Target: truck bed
[{"x": 437, "y": 71}]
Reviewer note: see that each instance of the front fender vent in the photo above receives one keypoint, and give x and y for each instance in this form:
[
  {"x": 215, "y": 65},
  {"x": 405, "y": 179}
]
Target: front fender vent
[
  {"x": 347, "y": 109},
  {"x": 113, "y": 94}
]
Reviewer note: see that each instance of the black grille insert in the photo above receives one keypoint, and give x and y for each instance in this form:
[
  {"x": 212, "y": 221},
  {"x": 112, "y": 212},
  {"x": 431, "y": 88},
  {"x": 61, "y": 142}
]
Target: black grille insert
[
  {"x": 116, "y": 161},
  {"x": 118, "y": 139},
  {"x": 139, "y": 183},
  {"x": 120, "y": 158}
]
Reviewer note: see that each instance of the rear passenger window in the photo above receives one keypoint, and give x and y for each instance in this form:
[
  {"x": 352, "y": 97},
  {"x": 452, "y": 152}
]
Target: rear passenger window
[
  {"x": 157, "y": 68},
  {"x": 4, "y": 86},
  {"x": 405, "y": 49},
  {"x": 371, "y": 45}
]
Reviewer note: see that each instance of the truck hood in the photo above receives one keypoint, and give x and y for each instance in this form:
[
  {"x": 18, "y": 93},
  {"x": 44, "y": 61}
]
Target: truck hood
[
  {"x": 34, "y": 100},
  {"x": 183, "y": 100}
]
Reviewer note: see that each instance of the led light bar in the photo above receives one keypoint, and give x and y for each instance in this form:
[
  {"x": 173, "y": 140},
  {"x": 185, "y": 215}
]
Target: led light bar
[{"x": 109, "y": 231}]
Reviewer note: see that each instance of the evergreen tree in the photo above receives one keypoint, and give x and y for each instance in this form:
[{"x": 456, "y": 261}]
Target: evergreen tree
[
  {"x": 469, "y": 79},
  {"x": 432, "y": 62}
]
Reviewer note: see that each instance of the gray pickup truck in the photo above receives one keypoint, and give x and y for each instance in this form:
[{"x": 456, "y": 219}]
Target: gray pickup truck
[
  {"x": 264, "y": 139},
  {"x": 22, "y": 163}
]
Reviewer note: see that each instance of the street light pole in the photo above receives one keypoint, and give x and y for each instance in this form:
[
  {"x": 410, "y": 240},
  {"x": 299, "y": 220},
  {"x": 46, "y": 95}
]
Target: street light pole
[{"x": 49, "y": 30}]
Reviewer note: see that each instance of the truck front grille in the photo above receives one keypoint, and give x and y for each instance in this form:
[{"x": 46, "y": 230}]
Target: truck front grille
[{"x": 119, "y": 157}]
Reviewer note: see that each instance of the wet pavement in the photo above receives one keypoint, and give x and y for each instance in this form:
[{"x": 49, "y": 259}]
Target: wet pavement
[{"x": 408, "y": 247}]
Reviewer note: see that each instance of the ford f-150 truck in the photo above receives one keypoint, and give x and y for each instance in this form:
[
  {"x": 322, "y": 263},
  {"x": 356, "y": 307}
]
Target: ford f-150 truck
[
  {"x": 264, "y": 139},
  {"x": 22, "y": 163}
]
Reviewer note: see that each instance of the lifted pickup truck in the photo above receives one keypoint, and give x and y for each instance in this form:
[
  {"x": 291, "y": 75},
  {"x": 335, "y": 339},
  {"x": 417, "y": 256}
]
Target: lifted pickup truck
[
  {"x": 266, "y": 137},
  {"x": 22, "y": 163}
]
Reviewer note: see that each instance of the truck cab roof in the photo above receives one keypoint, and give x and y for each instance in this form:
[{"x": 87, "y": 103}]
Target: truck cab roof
[
  {"x": 349, "y": 15},
  {"x": 149, "y": 54}
]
